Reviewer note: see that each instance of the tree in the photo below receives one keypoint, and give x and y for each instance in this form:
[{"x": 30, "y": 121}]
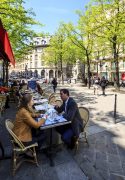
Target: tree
[
  {"x": 82, "y": 37},
  {"x": 59, "y": 52},
  {"x": 108, "y": 19},
  {"x": 18, "y": 21}
]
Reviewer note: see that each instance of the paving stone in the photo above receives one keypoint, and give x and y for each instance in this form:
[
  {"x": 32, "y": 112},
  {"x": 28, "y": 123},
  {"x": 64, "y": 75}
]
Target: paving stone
[
  {"x": 101, "y": 164},
  {"x": 121, "y": 151},
  {"x": 90, "y": 170},
  {"x": 101, "y": 155},
  {"x": 115, "y": 167},
  {"x": 87, "y": 154},
  {"x": 62, "y": 157},
  {"x": 104, "y": 174},
  {"x": 111, "y": 149},
  {"x": 113, "y": 158},
  {"x": 123, "y": 166},
  {"x": 70, "y": 171},
  {"x": 116, "y": 177}
]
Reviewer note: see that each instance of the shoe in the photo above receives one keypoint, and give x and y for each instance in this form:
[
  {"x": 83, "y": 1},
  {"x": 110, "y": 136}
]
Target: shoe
[{"x": 73, "y": 143}]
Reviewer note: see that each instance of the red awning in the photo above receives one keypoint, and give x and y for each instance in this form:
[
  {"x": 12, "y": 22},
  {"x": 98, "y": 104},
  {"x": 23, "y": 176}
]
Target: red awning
[{"x": 5, "y": 46}]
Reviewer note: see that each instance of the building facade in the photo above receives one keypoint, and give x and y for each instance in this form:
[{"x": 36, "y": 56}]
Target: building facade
[{"x": 33, "y": 65}]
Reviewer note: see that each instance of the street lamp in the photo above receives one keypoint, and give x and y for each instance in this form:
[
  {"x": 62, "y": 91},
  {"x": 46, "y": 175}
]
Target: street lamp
[
  {"x": 100, "y": 68},
  {"x": 106, "y": 72},
  {"x": 26, "y": 69}
]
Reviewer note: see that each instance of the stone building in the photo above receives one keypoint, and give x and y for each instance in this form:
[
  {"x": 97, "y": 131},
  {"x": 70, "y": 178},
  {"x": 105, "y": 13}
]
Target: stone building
[{"x": 33, "y": 65}]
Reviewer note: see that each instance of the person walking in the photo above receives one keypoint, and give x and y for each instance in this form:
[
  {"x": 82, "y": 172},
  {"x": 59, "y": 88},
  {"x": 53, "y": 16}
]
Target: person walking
[
  {"x": 103, "y": 84},
  {"x": 54, "y": 83}
]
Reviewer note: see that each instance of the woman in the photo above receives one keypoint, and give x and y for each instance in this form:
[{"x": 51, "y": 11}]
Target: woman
[{"x": 25, "y": 122}]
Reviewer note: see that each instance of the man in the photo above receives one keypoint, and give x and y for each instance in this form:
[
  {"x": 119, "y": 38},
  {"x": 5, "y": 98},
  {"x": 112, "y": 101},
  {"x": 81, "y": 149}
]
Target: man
[
  {"x": 103, "y": 84},
  {"x": 54, "y": 83},
  {"x": 69, "y": 132}
]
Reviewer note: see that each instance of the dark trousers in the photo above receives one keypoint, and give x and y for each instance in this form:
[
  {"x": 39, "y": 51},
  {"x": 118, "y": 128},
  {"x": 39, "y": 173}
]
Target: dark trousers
[
  {"x": 66, "y": 133},
  {"x": 37, "y": 136},
  {"x": 103, "y": 90},
  {"x": 54, "y": 88}
]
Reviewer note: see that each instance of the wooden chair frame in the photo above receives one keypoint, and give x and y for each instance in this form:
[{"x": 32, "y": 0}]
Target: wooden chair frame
[
  {"x": 84, "y": 112},
  {"x": 19, "y": 148},
  {"x": 58, "y": 102},
  {"x": 52, "y": 99}
]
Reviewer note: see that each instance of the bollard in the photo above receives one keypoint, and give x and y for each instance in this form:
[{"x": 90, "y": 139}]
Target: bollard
[{"x": 115, "y": 107}]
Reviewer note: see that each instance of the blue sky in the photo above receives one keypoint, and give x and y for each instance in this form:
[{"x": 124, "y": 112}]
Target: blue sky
[{"x": 52, "y": 12}]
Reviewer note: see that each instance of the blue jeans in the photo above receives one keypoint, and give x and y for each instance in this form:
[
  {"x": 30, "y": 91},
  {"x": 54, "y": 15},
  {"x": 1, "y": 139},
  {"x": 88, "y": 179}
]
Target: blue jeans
[{"x": 66, "y": 133}]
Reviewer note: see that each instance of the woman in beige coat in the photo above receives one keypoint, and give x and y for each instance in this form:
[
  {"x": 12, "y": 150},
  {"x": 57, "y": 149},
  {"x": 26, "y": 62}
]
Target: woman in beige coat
[{"x": 25, "y": 122}]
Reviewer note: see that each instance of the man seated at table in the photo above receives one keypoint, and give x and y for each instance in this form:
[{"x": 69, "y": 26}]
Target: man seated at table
[
  {"x": 70, "y": 132},
  {"x": 25, "y": 123}
]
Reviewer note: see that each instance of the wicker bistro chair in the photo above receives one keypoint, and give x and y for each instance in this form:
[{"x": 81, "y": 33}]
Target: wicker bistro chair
[
  {"x": 58, "y": 102},
  {"x": 52, "y": 100},
  {"x": 19, "y": 149},
  {"x": 84, "y": 112}
]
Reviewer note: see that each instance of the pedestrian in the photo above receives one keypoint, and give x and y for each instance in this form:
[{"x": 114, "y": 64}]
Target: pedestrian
[
  {"x": 96, "y": 85},
  {"x": 103, "y": 84},
  {"x": 86, "y": 81},
  {"x": 54, "y": 83}
]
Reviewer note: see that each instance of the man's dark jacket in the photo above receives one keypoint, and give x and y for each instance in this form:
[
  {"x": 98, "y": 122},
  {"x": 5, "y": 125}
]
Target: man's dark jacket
[{"x": 72, "y": 114}]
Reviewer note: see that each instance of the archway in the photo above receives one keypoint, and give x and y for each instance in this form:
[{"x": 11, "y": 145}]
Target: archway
[
  {"x": 51, "y": 74},
  {"x": 43, "y": 74},
  {"x": 59, "y": 74},
  {"x": 36, "y": 73}
]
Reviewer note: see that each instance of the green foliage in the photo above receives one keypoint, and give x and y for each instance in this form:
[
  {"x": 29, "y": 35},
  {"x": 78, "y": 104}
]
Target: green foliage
[
  {"x": 18, "y": 21},
  {"x": 60, "y": 49}
]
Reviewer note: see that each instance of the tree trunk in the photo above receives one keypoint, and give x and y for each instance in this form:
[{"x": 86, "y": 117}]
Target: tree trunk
[
  {"x": 61, "y": 69},
  {"x": 116, "y": 62},
  {"x": 89, "y": 73}
]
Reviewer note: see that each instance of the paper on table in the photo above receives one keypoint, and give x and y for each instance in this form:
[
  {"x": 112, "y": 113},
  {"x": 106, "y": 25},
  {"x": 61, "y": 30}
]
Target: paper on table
[
  {"x": 40, "y": 107},
  {"x": 49, "y": 121},
  {"x": 40, "y": 101}
]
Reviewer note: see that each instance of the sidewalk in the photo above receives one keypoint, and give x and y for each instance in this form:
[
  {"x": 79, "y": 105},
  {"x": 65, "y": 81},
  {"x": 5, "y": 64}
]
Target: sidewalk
[{"x": 103, "y": 159}]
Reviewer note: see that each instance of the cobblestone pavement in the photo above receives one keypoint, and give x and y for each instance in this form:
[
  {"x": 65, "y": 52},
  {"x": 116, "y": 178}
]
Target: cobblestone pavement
[{"x": 104, "y": 159}]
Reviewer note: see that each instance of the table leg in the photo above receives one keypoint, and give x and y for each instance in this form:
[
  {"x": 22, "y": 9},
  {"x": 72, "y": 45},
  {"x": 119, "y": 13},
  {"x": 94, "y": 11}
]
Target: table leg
[
  {"x": 1, "y": 146},
  {"x": 50, "y": 148}
]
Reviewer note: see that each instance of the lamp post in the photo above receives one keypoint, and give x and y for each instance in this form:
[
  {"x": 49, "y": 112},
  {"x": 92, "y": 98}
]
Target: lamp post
[
  {"x": 106, "y": 72},
  {"x": 56, "y": 71},
  {"x": 100, "y": 68},
  {"x": 26, "y": 71}
]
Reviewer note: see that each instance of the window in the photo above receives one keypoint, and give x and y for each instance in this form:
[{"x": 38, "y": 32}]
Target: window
[
  {"x": 36, "y": 57},
  {"x": 113, "y": 65},
  {"x": 123, "y": 63},
  {"x": 42, "y": 63},
  {"x": 36, "y": 64}
]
